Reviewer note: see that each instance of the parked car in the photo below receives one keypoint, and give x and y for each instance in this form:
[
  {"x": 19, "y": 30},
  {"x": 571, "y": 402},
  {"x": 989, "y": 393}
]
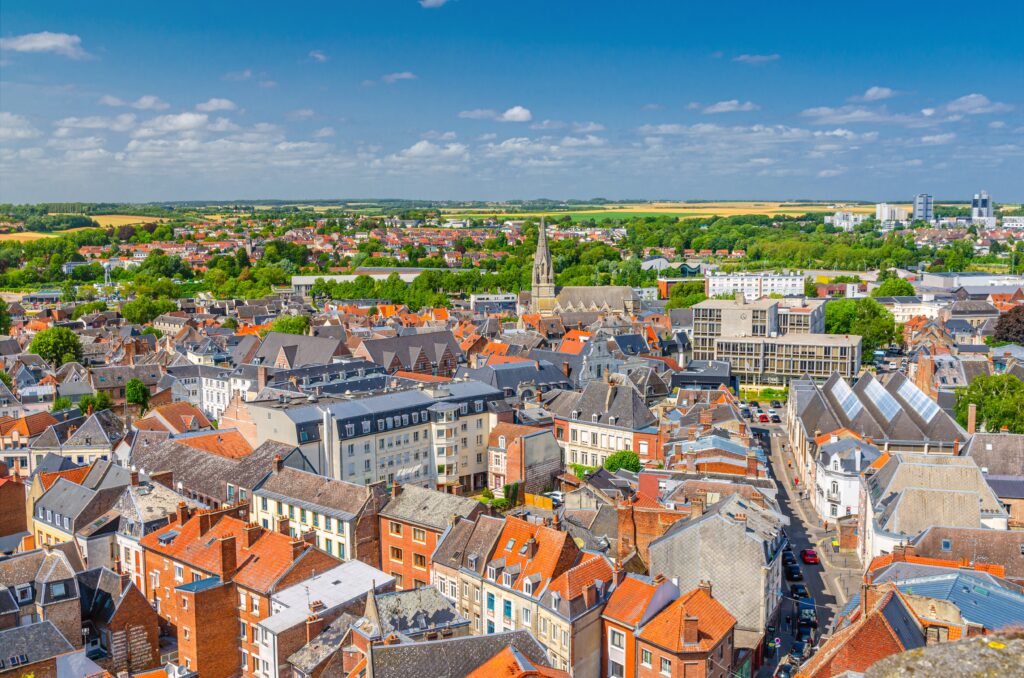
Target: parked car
[
  {"x": 798, "y": 651},
  {"x": 788, "y": 558},
  {"x": 784, "y": 671},
  {"x": 763, "y": 418},
  {"x": 557, "y": 498},
  {"x": 776, "y": 403},
  {"x": 805, "y": 633},
  {"x": 772, "y": 413},
  {"x": 809, "y": 556},
  {"x": 799, "y": 591},
  {"x": 755, "y": 404},
  {"x": 793, "y": 573},
  {"x": 776, "y": 419}
]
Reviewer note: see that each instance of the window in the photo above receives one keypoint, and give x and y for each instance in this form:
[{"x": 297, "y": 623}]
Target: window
[
  {"x": 241, "y": 629},
  {"x": 490, "y": 602},
  {"x": 507, "y": 609},
  {"x": 666, "y": 667},
  {"x": 419, "y": 560},
  {"x": 241, "y": 600},
  {"x": 618, "y": 639},
  {"x": 396, "y": 554},
  {"x": 947, "y": 545},
  {"x": 465, "y": 589},
  {"x": 419, "y": 535},
  {"x": 526, "y": 616},
  {"x": 255, "y": 605},
  {"x": 615, "y": 669},
  {"x": 185, "y": 632},
  {"x": 179, "y": 574},
  {"x": 263, "y": 503},
  {"x": 645, "y": 658},
  {"x": 395, "y": 528}
]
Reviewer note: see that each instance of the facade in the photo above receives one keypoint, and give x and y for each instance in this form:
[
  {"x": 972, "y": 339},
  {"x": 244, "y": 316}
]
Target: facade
[
  {"x": 692, "y": 636},
  {"x": 527, "y": 455},
  {"x": 981, "y": 206},
  {"x": 633, "y": 603},
  {"x": 411, "y": 525},
  {"x": 924, "y": 207},
  {"x": 885, "y": 212},
  {"x": 342, "y": 515},
  {"x": 841, "y": 458},
  {"x": 753, "y": 285}
]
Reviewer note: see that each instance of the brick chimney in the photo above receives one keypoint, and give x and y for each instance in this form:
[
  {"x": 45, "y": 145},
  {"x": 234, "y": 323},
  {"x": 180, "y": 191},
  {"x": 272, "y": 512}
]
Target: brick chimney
[
  {"x": 310, "y": 537},
  {"x": 589, "y": 595},
  {"x": 396, "y": 490},
  {"x": 261, "y": 377},
  {"x": 972, "y": 418},
  {"x": 706, "y": 417},
  {"x": 741, "y": 517},
  {"x": 705, "y": 586},
  {"x": 531, "y": 548},
  {"x": 314, "y": 625},
  {"x": 135, "y": 478},
  {"x": 183, "y": 513},
  {"x": 691, "y": 434},
  {"x": 228, "y": 562},
  {"x": 250, "y": 533},
  {"x": 284, "y": 525},
  {"x": 751, "y": 465},
  {"x": 205, "y": 522},
  {"x": 690, "y": 635},
  {"x": 565, "y": 367},
  {"x": 278, "y": 463},
  {"x": 298, "y": 548},
  {"x": 165, "y": 478}
]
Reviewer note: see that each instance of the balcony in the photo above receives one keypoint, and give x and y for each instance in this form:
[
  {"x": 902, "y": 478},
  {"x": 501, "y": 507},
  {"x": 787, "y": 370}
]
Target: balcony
[{"x": 833, "y": 497}]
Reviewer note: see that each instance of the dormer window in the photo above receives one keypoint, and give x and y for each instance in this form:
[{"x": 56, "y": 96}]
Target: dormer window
[
  {"x": 501, "y": 442},
  {"x": 528, "y": 587},
  {"x": 492, "y": 572},
  {"x": 574, "y": 415},
  {"x": 595, "y": 417},
  {"x": 507, "y": 579}
]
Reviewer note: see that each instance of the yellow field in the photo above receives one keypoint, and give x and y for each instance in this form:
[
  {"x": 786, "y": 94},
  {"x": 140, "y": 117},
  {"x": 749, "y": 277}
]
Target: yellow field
[
  {"x": 680, "y": 209},
  {"x": 26, "y": 236},
  {"x": 120, "y": 219}
]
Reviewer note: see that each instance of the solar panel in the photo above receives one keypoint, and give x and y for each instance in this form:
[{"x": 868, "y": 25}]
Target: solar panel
[
  {"x": 847, "y": 398},
  {"x": 918, "y": 401},
  {"x": 886, "y": 404}
]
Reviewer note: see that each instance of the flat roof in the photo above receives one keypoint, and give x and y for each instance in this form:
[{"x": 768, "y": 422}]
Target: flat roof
[{"x": 799, "y": 339}]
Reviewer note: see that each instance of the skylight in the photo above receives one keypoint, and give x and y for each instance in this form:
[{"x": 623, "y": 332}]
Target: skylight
[
  {"x": 847, "y": 398},
  {"x": 886, "y": 404},
  {"x": 918, "y": 401}
]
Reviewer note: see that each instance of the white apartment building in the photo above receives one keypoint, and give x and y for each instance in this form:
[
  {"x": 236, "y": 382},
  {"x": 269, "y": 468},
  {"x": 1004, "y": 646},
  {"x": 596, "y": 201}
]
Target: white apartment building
[
  {"x": 753, "y": 285},
  {"x": 837, "y": 475},
  {"x": 846, "y": 220},
  {"x": 886, "y": 212}
]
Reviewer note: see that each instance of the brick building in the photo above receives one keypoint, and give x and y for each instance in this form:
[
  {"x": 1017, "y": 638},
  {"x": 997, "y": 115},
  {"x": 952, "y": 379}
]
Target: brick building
[
  {"x": 693, "y": 636},
  {"x": 410, "y": 526},
  {"x": 13, "y": 518},
  {"x": 210, "y": 577},
  {"x": 641, "y": 520},
  {"x": 527, "y": 455},
  {"x": 119, "y": 621},
  {"x": 632, "y": 604}
]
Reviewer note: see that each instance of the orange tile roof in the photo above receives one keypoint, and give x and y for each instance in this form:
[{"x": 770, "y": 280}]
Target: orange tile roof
[
  {"x": 495, "y": 348},
  {"x": 510, "y": 431},
  {"x": 644, "y": 500},
  {"x": 577, "y": 335},
  {"x": 555, "y": 551},
  {"x": 671, "y": 363},
  {"x": 30, "y": 425},
  {"x": 629, "y": 600},
  {"x": 181, "y": 416},
  {"x": 252, "y": 329},
  {"x": 230, "y": 444},
  {"x": 881, "y": 561},
  {"x": 509, "y": 664},
  {"x": 441, "y": 313},
  {"x": 498, "y": 359},
  {"x": 666, "y": 629},
  {"x": 839, "y": 432},
  {"x": 591, "y": 567},
  {"x": 75, "y": 475},
  {"x": 570, "y": 346},
  {"x": 427, "y": 378}
]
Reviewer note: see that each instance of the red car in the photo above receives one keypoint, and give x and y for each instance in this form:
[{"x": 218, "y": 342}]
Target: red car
[
  {"x": 763, "y": 418},
  {"x": 809, "y": 556}
]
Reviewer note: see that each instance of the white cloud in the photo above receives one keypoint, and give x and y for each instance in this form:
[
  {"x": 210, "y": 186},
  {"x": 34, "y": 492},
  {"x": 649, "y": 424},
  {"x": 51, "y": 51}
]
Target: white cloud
[
  {"x": 323, "y": 133},
  {"x": 479, "y": 114},
  {"x": 997, "y": 124},
  {"x": 927, "y": 112},
  {"x": 588, "y": 140},
  {"x": 829, "y": 173},
  {"x": 267, "y": 84},
  {"x": 56, "y": 43},
  {"x": 937, "y": 139},
  {"x": 755, "y": 59},
  {"x": 432, "y": 4},
  {"x": 238, "y": 76},
  {"x": 731, "y": 106},
  {"x": 668, "y": 128},
  {"x": 440, "y": 136},
  {"x": 222, "y": 125},
  {"x": 516, "y": 114},
  {"x": 15, "y": 127},
  {"x": 216, "y": 104},
  {"x": 143, "y": 103},
  {"x": 119, "y": 123},
  {"x": 586, "y": 127},
  {"x": 548, "y": 124},
  {"x": 392, "y": 78},
  {"x": 875, "y": 93},
  {"x": 972, "y": 104},
  {"x": 318, "y": 56},
  {"x": 301, "y": 114},
  {"x": 167, "y": 124},
  {"x": 845, "y": 115},
  {"x": 427, "y": 152}
]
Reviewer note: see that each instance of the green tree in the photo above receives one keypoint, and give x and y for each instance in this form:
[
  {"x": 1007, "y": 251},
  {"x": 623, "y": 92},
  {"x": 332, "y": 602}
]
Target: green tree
[
  {"x": 154, "y": 331},
  {"x": 143, "y": 310},
  {"x": 864, "y": 317},
  {"x": 230, "y": 323},
  {"x": 686, "y": 294},
  {"x": 1010, "y": 326},
  {"x": 61, "y": 403},
  {"x": 137, "y": 393},
  {"x": 6, "y": 379},
  {"x": 626, "y": 459},
  {"x": 999, "y": 399},
  {"x": 5, "y": 319},
  {"x": 95, "y": 402},
  {"x": 57, "y": 345},
  {"x": 894, "y": 287},
  {"x": 290, "y": 324}
]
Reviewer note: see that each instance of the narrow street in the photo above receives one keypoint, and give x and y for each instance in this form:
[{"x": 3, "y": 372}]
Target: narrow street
[{"x": 838, "y": 575}]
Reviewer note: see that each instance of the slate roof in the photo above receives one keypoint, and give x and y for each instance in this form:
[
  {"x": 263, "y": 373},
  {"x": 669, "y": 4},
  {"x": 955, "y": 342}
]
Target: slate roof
[
  {"x": 998, "y": 453},
  {"x": 978, "y": 545},
  {"x": 407, "y": 347},
  {"x": 100, "y": 429},
  {"x": 410, "y": 613},
  {"x": 312, "y": 654},
  {"x": 314, "y": 492},
  {"x": 469, "y": 543},
  {"x": 37, "y": 642},
  {"x": 450, "y": 657},
  {"x": 429, "y": 508},
  {"x": 601, "y": 401},
  {"x": 301, "y": 350}
]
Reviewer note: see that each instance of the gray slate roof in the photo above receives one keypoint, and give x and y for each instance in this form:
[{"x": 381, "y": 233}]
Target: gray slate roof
[
  {"x": 430, "y": 508},
  {"x": 452, "y": 657},
  {"x": 37, "y": 642}
]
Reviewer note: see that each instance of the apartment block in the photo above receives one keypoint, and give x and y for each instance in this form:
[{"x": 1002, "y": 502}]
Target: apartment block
[{"x": 753, "y": 285}]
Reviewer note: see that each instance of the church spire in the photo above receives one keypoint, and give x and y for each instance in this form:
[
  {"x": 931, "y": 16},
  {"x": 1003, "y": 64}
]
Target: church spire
[{"x": 543, "y": 288}]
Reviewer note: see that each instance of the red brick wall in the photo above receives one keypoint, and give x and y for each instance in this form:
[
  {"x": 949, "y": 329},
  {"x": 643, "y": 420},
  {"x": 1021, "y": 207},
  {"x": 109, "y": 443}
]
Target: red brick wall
[
  {"x": 405, "y": 571},
  {"x": 140, "y": 623},
  {"x": 212, "y": 646},
  {"x": 13, "y": 516},
  {"x": 638, "y": 527}
]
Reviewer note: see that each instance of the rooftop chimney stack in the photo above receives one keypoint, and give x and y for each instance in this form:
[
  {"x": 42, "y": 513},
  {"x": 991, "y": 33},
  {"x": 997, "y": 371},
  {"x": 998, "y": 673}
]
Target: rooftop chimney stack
[
  {"x": 972, "y": 418},
  {"x": 228, "y": 562},
  {"x": 690, "y": 634}
]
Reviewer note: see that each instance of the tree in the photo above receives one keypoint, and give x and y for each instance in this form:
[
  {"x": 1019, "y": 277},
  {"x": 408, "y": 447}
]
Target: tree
[
  {"x": 290, "y": 324},
  {"x": 143, "y": 309},
  {"x": 61, "y": 403},
  {"x": 154, "y": 331},
  {"x": 864, "y": 317},
  {"x": 57, "y": 345},
  {"x": 95, "y": 403},
  {"x": 6, "y": 379},
  {"x": 810, "y": 288},
  {"x": 1010, "y": 326},
  {"x": 686, "y": 294},
  {"x": 5, "y": 319},
  {"x": 230, "y": 324},
  {"x": 999, "y": 399},
  {"x": 894, "y": 287},
  {"x": 137, "y": 393},
  {"x": 626, "y": 459}
]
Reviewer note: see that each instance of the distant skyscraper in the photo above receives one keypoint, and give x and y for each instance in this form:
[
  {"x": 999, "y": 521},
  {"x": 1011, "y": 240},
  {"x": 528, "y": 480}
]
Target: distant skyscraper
[
  {"x": 981, "y": 206},
  {"x": 923, "y": 207}
]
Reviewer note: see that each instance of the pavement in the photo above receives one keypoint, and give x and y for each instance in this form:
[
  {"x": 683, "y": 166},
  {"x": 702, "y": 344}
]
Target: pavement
[{"x": 833, "y": 581}]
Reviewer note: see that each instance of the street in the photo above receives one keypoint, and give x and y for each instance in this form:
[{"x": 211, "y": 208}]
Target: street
[{"x": 838, "y": 575}]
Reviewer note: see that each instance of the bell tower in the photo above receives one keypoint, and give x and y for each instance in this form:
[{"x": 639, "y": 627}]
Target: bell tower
[{"x": 543, "y": 289}]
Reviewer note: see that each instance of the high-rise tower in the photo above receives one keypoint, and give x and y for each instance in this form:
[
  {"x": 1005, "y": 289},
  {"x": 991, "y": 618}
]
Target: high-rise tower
[{"x": 542, "y": 297}]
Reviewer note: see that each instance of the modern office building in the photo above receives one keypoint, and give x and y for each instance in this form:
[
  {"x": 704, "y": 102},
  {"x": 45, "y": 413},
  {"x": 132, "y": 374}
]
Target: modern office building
[
  {"x": 981, "y": 206},
  {"x": 753, "y": 285},
  {"x": 771, "y": 341},
  {"x": 924, "y": 207}
]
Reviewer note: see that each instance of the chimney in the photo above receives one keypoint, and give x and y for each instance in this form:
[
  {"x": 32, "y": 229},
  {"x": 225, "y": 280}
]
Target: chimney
[
  {"x": 696, "y": 507},
  {"x": 314, "y": 625},
  {"x": 165, "y": 478},
  {"x": 250, "y": 533},
  {"x": 858, "y": 456},
  {"x": 184, "y": 513},
  {"x": 692, "y": 433},
  {"x": 751, "y": 464},
  {"x": 261, "y": 377},
  {"x": 690, "y": 634},
  {"x": 298, "y": 548},
  {"x": 659, "y": 579},
  {"x": 864, "y": 595},
  {"x": 956, "y": 448},
  {"x": 740, "y": 517},
  {"x": 531, "y": 548},
  {"x": 705, "y": 419},
  {"x": 396, "y": 490},
  {"x": 310, "y": 537},
  {"x": 228, "y": 562},
  {"x": 283, "y": 525},
  {"x": 565, "y": 367},
  {"x": 135, "y": 478},
  {"x": 972, "y": 418},
  {"x": 589, "y": 595},
  {"x": 278, "y": 463},
  {"x": 705, "y": 586},
  {"x": 205, "y": 522}
]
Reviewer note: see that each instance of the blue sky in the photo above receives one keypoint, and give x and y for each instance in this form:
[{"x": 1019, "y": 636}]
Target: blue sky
[{"x": 493, "y": 99}]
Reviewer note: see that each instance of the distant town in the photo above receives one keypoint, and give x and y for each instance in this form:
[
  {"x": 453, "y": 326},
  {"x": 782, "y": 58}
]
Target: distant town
[{"x": 394, "y": 438}]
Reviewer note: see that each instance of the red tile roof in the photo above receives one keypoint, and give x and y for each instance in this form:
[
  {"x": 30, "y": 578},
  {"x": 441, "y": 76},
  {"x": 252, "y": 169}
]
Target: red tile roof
[
  {"x": 511, "y": 664},
  {"x": 591, "y": 568},
  {"x": 416, "y": 376},
  {"x": 29, "y": 425},
  {"x": 629, "y": 600},
  {"x": 230, "y": 444},
  {"x": 75, "y": 475},
  {"x": 666, "y": 629},
  {"x": 555, "y": 551}
]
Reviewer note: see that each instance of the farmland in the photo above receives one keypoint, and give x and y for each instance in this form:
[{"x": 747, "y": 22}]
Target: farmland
[
  {"x": 676, "y": 209},
  {"x": 25, "y": 236}
]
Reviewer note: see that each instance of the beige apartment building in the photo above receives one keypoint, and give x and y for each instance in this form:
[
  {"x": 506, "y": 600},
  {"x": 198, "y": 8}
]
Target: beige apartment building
[{"x": 770, "y": 341}]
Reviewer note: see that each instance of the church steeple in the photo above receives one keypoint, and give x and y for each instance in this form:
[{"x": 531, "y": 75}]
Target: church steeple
[{"x": 543, "y": 289}]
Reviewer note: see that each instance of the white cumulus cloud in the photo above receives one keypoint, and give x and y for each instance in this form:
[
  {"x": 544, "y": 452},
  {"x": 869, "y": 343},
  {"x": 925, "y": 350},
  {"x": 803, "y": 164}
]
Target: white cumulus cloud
[
  {"x": 972, "y": 104},
  {"x": 14, "y": 127},
  {"x": 392, "y": 78},
  {"x": 216, "y": 104},
  {"x": 755, "y": 59},
  {"x": 64, "y": 44},
  {"x": 143, "y": 103},
  {"x": 731, "y": 106},
  {"x": 318, "y": 56}
]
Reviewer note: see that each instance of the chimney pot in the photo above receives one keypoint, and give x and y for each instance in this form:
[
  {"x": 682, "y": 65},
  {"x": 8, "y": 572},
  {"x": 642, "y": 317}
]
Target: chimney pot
[
  {"x": 690, "y": 633},
  {"x": 278, "y": 463}
]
